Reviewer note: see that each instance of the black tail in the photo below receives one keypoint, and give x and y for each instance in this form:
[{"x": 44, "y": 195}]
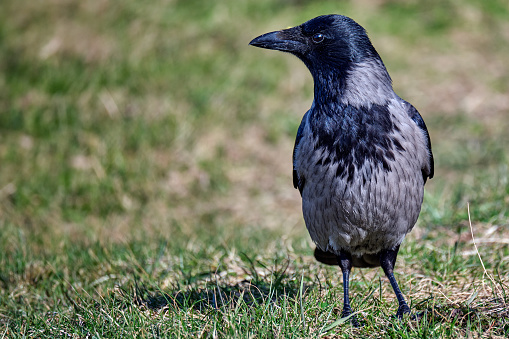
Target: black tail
[{"x": 329, "y": 258}]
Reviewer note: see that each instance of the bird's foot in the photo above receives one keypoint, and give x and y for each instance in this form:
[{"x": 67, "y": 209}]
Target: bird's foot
[
  {"x": 347, "y": 312},
  {"x": 402, "y": 310}
]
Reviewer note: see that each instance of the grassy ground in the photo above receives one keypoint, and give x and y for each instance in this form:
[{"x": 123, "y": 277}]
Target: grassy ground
[{"x": 145, "y": 178}]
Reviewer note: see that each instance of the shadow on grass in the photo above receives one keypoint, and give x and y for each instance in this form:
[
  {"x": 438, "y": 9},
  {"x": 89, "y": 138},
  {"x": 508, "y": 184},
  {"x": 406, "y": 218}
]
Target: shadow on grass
[
  {"x": 215, "y": 290},
  {"x": 213, "y": 296}
]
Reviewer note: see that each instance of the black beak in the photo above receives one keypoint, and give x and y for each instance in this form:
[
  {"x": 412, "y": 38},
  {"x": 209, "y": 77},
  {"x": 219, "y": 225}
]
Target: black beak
[{"x": 288, "y": 40}]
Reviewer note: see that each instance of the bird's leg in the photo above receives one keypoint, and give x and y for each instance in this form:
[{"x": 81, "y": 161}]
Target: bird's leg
[
  {"x": 387, "y": 261},
  {"x": 345, "y": 262}
]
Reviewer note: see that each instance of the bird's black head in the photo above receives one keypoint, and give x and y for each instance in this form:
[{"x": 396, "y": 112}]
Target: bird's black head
[{"x": 332, "y": 41}]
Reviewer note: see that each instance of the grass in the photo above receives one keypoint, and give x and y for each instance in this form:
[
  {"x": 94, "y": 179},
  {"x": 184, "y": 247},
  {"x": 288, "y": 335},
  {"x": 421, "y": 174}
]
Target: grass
[{"x": 145, "y": 178}]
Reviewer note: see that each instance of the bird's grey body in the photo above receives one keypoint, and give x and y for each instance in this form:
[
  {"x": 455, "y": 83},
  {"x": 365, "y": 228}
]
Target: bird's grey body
[
  {"x": 377, "y": 208},
  {"x": 362, "y": 154}
]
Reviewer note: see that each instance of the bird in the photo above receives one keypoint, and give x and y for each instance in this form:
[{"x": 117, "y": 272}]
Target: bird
[{"x": 362, "y": 154}]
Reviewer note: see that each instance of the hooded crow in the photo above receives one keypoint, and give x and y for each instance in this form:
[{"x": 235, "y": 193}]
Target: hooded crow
[{"x": 362, "y": 154}]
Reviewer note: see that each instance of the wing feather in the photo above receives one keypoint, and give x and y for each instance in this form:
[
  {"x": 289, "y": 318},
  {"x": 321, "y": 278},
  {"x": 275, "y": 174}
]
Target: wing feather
[
  {"x": 429, "y": 170},
  {"x": 298, "y": 182}
]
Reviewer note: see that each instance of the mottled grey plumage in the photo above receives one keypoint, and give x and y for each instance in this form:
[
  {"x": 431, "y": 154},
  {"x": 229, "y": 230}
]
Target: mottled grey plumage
[{"x": 362, "y": 154}]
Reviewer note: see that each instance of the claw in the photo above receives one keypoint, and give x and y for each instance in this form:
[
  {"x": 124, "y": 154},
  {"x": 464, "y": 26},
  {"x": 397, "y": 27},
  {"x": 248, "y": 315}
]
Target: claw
[
  {"x": 347, "y": 312},
  {"x": 402, "y": 310}
]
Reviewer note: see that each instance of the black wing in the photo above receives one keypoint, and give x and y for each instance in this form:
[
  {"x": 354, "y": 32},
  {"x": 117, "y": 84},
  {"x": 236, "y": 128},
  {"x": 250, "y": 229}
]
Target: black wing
[
  {"x": 298, "y": 182},
  {"x": 416, "y": 117}
]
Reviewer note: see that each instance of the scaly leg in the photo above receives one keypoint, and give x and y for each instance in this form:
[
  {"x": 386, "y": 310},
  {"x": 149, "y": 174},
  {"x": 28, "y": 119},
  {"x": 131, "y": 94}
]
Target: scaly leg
[
  {"x": 387, "y": 261},
  {"x": 345, "y": 262}
]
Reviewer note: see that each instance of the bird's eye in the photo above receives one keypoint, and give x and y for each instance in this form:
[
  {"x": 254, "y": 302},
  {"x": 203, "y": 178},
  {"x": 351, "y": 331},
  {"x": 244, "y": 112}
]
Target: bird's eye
[{"x": 318, "y": 37}]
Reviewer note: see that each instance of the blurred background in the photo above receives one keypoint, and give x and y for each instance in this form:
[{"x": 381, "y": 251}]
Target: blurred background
[
  {"x": 122, "y": 119},
  {"x": 140, "y": 125}
]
